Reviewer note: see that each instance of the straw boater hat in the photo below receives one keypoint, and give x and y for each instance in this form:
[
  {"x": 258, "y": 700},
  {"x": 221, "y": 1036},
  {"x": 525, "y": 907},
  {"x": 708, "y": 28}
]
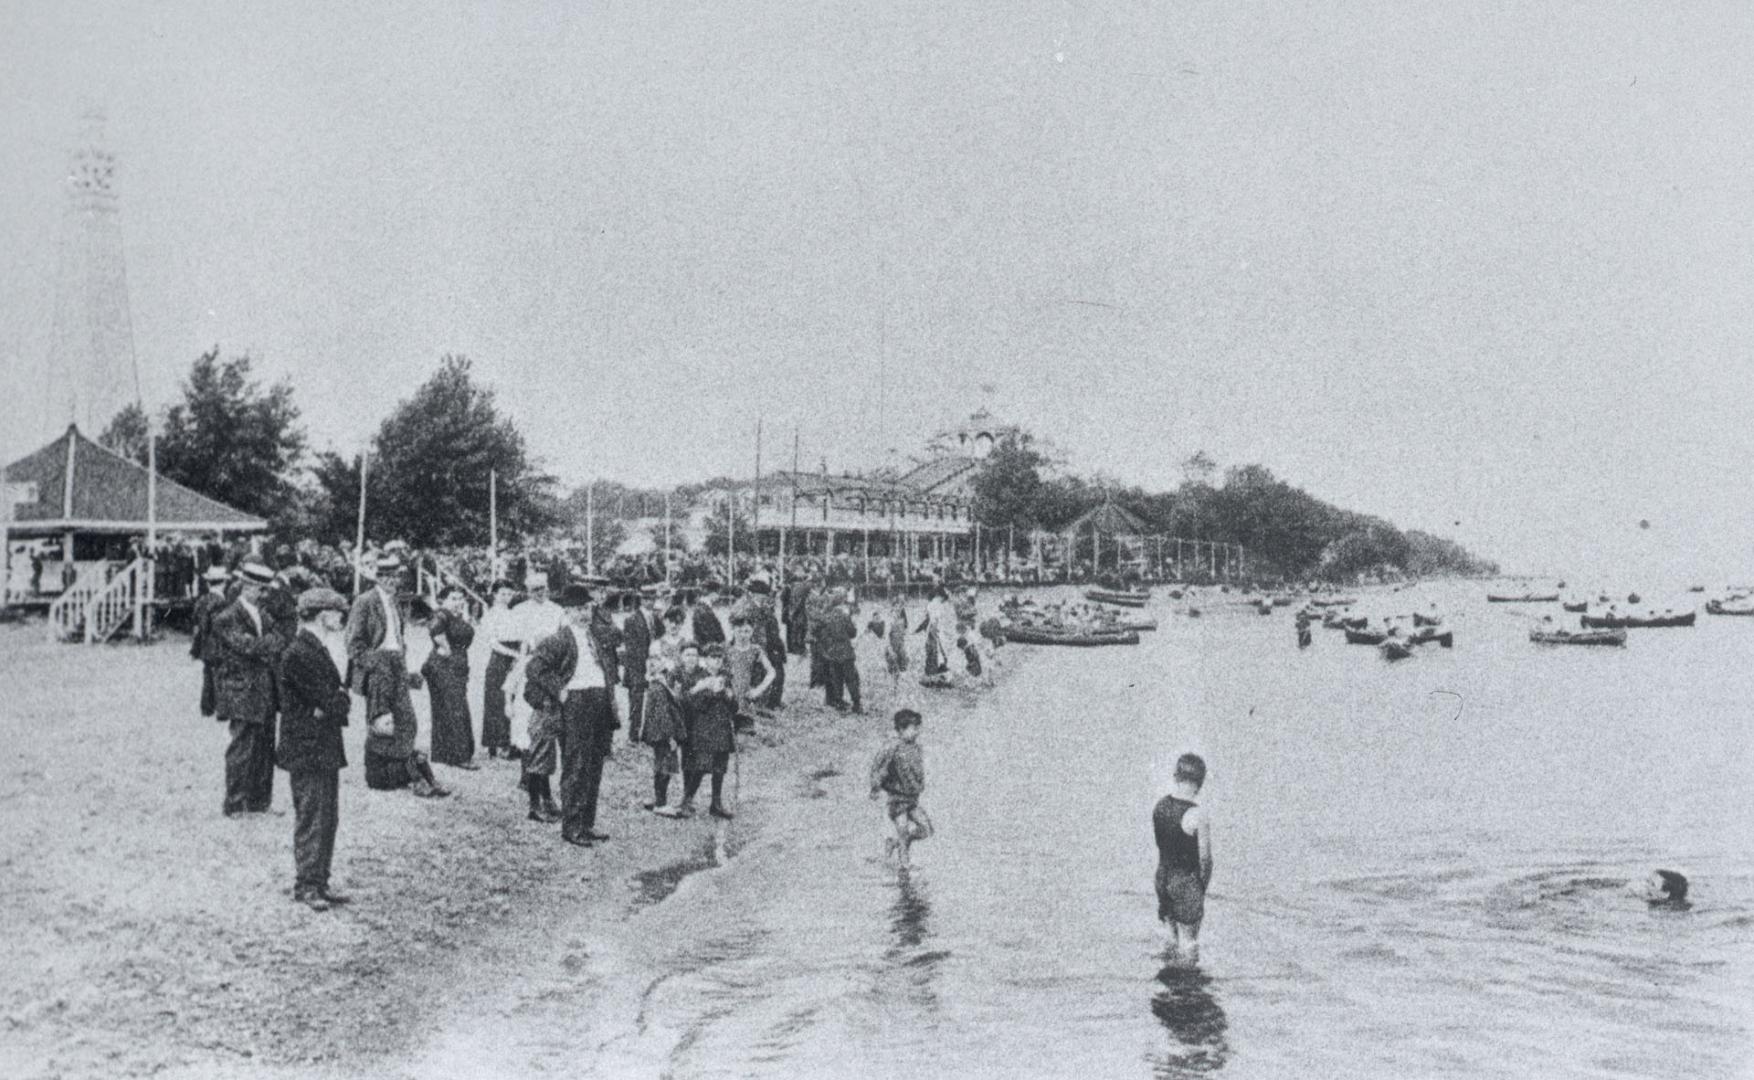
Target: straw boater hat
[
  {"x": 216, "y": 574},
  {"x": 255, "y": 573},
  {"x": 388, "y": 563}
]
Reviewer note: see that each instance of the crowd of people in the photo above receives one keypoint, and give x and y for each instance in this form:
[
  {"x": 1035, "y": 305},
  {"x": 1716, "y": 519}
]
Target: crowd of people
[{"x": 287, "y": 658}]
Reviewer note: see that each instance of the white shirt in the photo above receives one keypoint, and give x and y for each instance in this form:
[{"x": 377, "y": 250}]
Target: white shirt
[
  {"x": 392, "y": 623},
  {"x": 501, "y": 624},
  {"x": 536, "y": 619},
  {"x": 589, "y": 674}
]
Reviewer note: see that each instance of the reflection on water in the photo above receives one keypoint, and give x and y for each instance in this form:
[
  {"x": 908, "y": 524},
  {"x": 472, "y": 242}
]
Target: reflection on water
[
  {"x": 1406, "y": 888},
  {"x": 1184, "y": 1004}
]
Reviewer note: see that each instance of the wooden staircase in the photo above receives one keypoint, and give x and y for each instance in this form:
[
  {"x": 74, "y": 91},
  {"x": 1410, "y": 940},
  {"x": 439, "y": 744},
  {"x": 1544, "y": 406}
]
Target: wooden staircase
[{"x": 92, "y": 611}]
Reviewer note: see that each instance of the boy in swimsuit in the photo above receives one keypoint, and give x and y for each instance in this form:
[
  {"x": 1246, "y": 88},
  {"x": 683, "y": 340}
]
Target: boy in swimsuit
[
  {"x": 1184, "y": 856},
  {"x": 900, "y": 770}
]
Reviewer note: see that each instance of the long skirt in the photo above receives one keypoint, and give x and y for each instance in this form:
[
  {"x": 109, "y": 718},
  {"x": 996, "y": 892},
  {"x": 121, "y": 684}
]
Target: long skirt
[
  {"x": 453, "y": 729},
  {"x": 496, "y": 723}
]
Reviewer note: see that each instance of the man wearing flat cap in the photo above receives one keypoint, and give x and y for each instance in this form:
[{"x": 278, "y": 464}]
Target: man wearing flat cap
[
  {"x": 568, "y": 685},
  {"x": 314, "y": 707},
  {"x": 377, "y": 658},
  {"x": 245, "y": 693},
  {"x": 202, "y": 644}
]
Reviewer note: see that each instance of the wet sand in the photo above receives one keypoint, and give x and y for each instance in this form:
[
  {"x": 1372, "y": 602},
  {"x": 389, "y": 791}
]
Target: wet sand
[{"x": 150, "y": 934}]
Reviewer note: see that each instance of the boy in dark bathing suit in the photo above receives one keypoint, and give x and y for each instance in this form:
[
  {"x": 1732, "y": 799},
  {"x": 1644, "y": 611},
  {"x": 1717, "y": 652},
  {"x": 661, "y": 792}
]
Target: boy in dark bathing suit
[{"x": 1184, "y": 856}]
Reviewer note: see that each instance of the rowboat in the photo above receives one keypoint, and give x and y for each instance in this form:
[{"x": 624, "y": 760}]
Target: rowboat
[
  {"x": 1124, "y": 626},
  {"x": 1119, "y": 599},
  {"x": 1622, "y": 622},
  {"x": 1427, "y": 620},
  {"x": 1578, "y": 608},
  {"x": 1365, "y": 637},
  {"x": 1334, "y": 601},
  {"x": 1526, "y": 598},
  {"x": 1037, "y": 635},
  {"x": 1395, "y": 650},
  {"x": 1584, "y": 637},
  {"x": 1715, "y": 607},
  {"x": 1447, "y": 639}
]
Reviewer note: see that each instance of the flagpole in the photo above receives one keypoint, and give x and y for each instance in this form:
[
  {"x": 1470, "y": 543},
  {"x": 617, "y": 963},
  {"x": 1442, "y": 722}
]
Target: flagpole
[
  {"x": 667, "y": 559},
  {"x": 755, "y": 527},
  {"x": 493, "y": 522},
  {"x": 591, "y": 528},
  {"x": 365, "y": 460}
]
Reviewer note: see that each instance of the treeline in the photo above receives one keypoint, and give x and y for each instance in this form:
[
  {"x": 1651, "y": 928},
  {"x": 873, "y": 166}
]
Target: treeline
[{"x": 1286, "y": 531}]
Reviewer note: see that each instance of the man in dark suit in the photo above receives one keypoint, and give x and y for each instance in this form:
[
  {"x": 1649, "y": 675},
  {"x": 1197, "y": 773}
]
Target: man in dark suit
[
  {"x": 707, "y": 629},
  {"x": 313, "y": 711},
  {"x": 246, "y": 696},
  {"x": 835, "y": 637},
  {"x": 377, "y": 660},
  {"x": 203, "y": 646},
  {"x": 567, "y": 683},
  {"x": 797, "y": 603},
  {"x": 642, "y": 626}
]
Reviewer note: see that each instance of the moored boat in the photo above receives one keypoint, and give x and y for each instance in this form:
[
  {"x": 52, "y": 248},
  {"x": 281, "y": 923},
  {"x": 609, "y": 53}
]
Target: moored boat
[
  {"x": 1427, "y": 620},
  {"x": 1578, "y": 608},
  {"x": 1365, "y": 637},
  {"x": 1716, "y": 607},
  {"x": 1526, "y": 598},
  {"x": 1119, "y": 599},
  {"x": 1578, "y": 637},
  {"x": 1635, "y": 622},
  {"x": 1038, "y": 635}
]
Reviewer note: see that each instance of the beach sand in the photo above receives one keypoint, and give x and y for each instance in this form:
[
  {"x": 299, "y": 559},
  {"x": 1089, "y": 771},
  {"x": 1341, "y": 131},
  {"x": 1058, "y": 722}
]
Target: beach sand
[{"x": 149, "y": 934}]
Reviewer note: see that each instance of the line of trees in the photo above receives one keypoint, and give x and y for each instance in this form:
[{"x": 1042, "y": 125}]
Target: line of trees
[{"x": 1287, "y": 531}]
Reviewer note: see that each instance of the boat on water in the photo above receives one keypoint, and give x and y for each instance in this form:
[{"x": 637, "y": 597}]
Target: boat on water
[
  {"x": 1041, "y": 635},
  {"x": 1427, "y": 620},
  {"x": 1715, "y": 607},
  {"x": 1525, "y": 598},
  {"x": 1578, "y": 608},
  {"x": 1119, "y": 599},
  {"x": 1282, "y": 601},
  {"x": 1635, "y": 622},
  {"x": 1341, "y": 622},
  {"x": 1446, "y": 639},
  {"x": 1334, "y": 601},
  {"x": 1365, "y": 637},
  {"x": 1578, "y": 637}
]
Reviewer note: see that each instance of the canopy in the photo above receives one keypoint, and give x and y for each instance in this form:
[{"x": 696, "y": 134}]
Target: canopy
[
  {"x": 75, "y": 485},
  {"x": 1111, "y": 519}
]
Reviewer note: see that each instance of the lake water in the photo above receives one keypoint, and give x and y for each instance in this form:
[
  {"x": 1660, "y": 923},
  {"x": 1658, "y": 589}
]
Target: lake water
[{"x": 1421, "y": 871}]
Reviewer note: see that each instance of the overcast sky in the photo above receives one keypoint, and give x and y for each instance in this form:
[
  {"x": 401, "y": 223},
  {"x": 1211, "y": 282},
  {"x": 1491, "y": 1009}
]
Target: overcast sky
[{"x": 1482, "y": 268}]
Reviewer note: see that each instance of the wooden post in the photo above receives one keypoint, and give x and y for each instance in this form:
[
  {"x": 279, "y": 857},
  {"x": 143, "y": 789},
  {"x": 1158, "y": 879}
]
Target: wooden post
[
  {"x": 667, "y": 559},
  {"x": 365, "y": 460},
  {"x": 730, "y": 537},
  {"x": 591, "y": 528},
  {"x": 493, "y": 523},
  {"x": 867, "y": 556},
  {"x": 143, "y": 593},
  {"x": 755, "y": 514}
]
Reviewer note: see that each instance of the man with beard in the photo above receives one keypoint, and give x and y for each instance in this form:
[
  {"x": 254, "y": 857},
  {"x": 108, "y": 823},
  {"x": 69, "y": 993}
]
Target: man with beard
[{"x": 314, "y": 710}]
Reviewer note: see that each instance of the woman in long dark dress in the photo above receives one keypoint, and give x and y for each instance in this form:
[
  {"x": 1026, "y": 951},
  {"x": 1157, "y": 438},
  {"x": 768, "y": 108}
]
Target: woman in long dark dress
[
  {"x": 447, "y": 680},
  {"x": 504, "y": 638}
]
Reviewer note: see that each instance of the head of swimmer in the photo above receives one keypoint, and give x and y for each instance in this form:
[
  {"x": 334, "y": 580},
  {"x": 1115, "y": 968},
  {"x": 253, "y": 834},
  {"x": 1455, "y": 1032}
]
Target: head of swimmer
[
  {"x": 1190, "y": 772},
  {"x": 1663, "y": 888}
]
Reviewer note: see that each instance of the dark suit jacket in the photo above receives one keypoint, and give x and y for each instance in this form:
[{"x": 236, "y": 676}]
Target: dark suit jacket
[
  {"x": 551, "y": 666},
  {"x": 202, "y": 645},
  {"x": 836, "y": 636},
  {"x": 608, "y": 640},
  {"x": 707, "y": 628},
  {"x": 244, "y": 686},
  {"x": 366, "y": 629},
  {"x": 313, "y": 708},
  {"x": 636, "y": 648}
]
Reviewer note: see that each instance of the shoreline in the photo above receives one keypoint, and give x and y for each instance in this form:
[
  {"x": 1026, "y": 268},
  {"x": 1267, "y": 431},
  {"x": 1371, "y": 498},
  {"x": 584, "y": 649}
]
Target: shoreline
[{"x": 167, "y": 938}]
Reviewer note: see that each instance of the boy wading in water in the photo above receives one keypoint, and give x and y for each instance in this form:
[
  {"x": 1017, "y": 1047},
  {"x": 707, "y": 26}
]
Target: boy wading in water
[
  {"x": 900, "y": 770},
  {"x": 1184, "y": 856}
]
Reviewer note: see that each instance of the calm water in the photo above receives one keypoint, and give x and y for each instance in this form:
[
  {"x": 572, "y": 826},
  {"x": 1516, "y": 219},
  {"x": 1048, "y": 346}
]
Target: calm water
[{"x": 1420, "y": 872}]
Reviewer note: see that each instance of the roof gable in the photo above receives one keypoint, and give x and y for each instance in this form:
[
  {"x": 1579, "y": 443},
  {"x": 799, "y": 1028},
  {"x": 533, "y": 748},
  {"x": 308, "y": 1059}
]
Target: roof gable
[{"x": 108, "y": 490}]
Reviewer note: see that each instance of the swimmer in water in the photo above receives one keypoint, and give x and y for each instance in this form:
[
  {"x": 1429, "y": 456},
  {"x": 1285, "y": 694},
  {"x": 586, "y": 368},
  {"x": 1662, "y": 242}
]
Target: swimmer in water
[
  {"x": 1184, "y": 856},
  {"x": 1663, "y": 888}
]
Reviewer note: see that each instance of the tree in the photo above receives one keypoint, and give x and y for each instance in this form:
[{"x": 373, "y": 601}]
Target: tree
[
  {"x": 232, "y": 441},
  {"x": 1008, "y": 485},
  {"x": 718, "y": 533},
  {"x": 127, "y": 434},
  {"x": 429, "y": 473}
]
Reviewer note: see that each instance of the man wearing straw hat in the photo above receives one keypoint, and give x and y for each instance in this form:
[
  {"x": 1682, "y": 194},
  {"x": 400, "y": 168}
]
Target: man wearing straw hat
[
  {"x": 246, "y": 693},
  {"x": 377, "y": 648},
  {"x": 568, "y": 685}
]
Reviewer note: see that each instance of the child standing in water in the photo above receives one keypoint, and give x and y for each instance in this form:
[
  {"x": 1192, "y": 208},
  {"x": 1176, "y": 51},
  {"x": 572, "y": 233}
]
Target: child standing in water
[
  {"x": 900, "y": 770},
  {"x": 1184, "y": 856}
]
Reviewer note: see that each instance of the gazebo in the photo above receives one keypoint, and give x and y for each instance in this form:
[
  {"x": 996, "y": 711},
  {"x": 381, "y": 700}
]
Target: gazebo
[{"x": 90, "y": 502}]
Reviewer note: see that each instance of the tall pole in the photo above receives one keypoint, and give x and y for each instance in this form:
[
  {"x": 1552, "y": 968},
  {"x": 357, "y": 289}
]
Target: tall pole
[
  {"x": 591, "y": 528},
  {"x": 667, "y": 559},
  {"x": 365, "y": 460},
  {"x": 730, "y": 537},
  {"x": 143, "y": 592},
  {"x": 797, "y": 434},
  {"x": 493, "y": 522},
  {"x": 755, "y": 514}
]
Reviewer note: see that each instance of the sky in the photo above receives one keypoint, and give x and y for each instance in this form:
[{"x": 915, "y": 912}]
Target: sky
[{"x": 1481, "y": 269}]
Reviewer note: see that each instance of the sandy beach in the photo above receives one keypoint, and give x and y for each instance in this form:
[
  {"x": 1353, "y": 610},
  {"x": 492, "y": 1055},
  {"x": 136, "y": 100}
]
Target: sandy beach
[{"x": 151, "y": 935}]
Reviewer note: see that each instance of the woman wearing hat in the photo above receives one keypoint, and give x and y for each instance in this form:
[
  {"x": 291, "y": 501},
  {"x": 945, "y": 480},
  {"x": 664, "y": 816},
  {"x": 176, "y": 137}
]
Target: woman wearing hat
[
  {"x": 447, "y": 681},
  {"x": 202, "y": 645},
  {"x": 505, "y": 644}
]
